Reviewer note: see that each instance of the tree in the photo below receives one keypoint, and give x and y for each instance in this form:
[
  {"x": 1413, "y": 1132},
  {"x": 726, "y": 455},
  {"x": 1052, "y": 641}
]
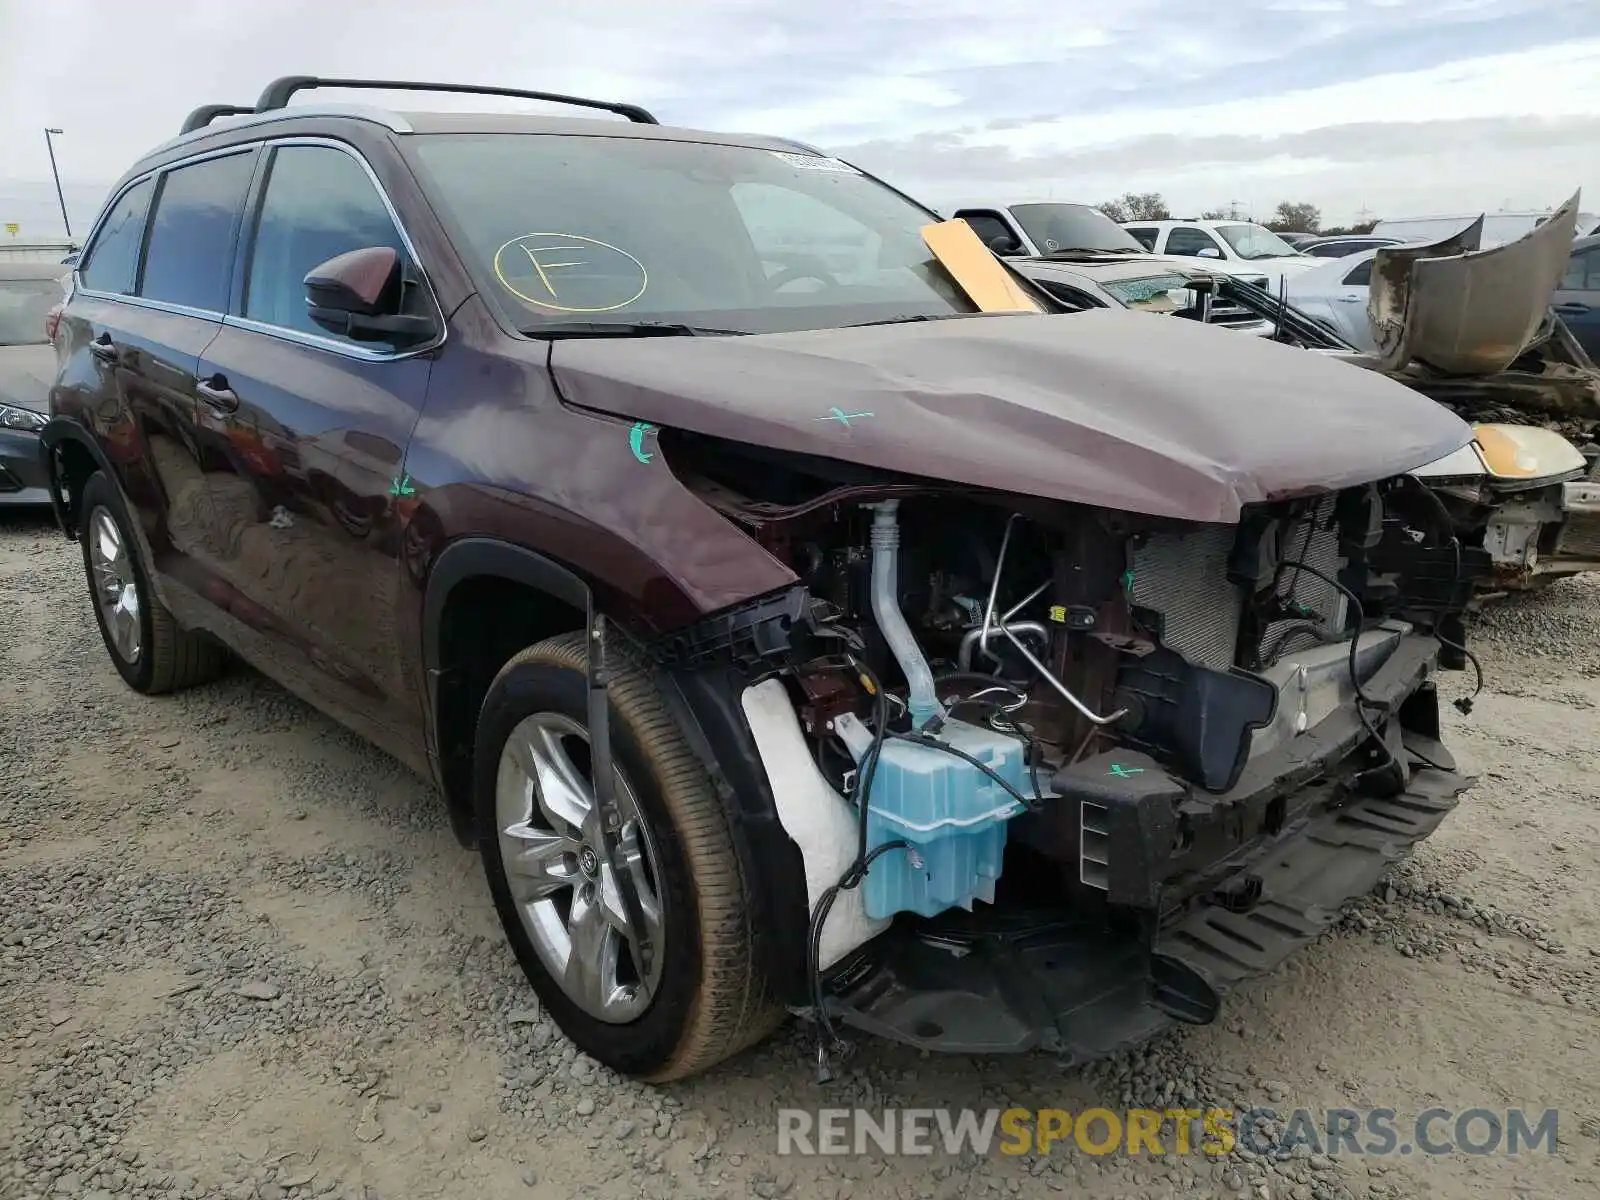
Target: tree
[
  {"x": 1136, "y": 206},
  {"x": 1146, "y": 206},
  {"x": 1215, "y": 214},
  {"x": 1296, "y": 218}
]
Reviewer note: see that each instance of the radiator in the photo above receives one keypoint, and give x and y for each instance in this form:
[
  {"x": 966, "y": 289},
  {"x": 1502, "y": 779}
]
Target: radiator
[
  {"x": 1314, "y": 540},
  {"x": 1183, "y": 578}
]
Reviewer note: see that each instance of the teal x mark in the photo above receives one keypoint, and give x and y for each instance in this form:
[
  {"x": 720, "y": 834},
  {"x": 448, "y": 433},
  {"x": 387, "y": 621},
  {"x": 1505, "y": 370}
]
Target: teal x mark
[
  {"x": 844, "y": 418},
  {"x": 1122, "y": 772},
  {"x": 401, "y": 486}
]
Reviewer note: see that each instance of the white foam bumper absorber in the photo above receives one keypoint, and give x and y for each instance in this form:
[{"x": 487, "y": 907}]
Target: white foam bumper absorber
[{"x": 817, "y": 817}]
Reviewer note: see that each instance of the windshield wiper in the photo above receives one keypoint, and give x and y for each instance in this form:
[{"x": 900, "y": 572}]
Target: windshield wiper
[
  {"x": 1077, "y": 251},
  {"x": 623, "y": 329},
  {"x": 906, "y": 320}
]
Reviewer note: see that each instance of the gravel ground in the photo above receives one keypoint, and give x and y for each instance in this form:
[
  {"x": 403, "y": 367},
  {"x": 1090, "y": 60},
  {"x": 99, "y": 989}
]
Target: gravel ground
[{"x": 241, "y": 956}]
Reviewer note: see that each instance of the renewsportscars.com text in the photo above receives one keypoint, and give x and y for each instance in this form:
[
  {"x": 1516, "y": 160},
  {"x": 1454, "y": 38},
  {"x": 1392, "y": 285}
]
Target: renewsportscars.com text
[{"x": 1212, "y": 1132}]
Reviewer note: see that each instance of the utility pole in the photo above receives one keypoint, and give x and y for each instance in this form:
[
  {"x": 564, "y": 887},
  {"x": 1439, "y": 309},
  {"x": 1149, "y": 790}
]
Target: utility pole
[{"x": 60, "y": 195}]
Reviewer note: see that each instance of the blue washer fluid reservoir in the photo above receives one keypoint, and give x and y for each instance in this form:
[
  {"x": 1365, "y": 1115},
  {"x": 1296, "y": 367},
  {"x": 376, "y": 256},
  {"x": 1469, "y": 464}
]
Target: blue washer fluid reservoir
[{"x": 952, "y": 815}]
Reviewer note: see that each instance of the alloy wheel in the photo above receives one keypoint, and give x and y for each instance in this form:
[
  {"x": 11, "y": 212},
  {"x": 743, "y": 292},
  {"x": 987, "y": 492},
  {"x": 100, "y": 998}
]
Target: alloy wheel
[
  {"x": 116, "y": 587},
  {"x": 568, "y": 897}
]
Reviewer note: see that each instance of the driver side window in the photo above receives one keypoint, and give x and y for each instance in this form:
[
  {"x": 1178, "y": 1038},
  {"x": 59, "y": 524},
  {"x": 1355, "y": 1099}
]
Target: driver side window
[
  {"x": 318, "y": 203},
  {"x": 1189, "y": 241},
  {"x": 989, "y": 227},
  {"x": 781, "y": 222}
]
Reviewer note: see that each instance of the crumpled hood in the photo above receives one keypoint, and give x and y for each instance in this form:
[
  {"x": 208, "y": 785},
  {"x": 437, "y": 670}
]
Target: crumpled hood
[
  {"x": 1464, "y": 310},
  {"x": 26, "y": 375},
  {"x": 1110, "y": 408}
]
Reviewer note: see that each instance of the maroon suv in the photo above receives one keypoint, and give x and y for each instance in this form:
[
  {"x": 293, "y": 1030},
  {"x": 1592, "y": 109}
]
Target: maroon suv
[{"x": 787, "y": 631}]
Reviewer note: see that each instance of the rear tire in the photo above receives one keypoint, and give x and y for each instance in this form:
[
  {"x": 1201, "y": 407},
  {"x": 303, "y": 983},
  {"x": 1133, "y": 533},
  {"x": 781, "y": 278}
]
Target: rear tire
[
  {"x": 151, "y": 652},
  {"x": 708, "y": 999}
]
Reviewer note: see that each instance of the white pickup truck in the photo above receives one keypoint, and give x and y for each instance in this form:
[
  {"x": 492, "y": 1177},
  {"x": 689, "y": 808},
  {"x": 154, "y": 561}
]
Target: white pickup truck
[
  {"x": 1061, "y": 230},
  {"x": 1240, "y": 248}
]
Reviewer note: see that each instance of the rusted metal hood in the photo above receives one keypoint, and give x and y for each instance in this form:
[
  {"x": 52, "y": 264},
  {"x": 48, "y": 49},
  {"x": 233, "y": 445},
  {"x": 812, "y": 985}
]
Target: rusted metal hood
[
  {"x": 1462, "y": 310},
  {"x": 1110, "y": 408}
]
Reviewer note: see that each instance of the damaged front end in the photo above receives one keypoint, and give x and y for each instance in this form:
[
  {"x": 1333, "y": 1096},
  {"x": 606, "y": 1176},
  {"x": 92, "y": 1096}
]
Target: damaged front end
[{"x": 1061, "y": 775}]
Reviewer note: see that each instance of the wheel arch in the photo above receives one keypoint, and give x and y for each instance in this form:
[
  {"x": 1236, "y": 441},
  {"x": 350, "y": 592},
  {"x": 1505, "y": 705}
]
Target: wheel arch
[
  {"x": 71, "y": 455},
  {"x": 704, "y": 702},
  {"x": 485, "y": 599}
]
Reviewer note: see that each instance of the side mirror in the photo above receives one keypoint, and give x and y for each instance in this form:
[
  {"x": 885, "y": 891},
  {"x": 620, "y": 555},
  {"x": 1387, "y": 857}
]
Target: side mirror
[
  {"x": 1004, "y": 245},
  {"x": 358, "y": 295},
  {"x": 1208, "y": 252}
]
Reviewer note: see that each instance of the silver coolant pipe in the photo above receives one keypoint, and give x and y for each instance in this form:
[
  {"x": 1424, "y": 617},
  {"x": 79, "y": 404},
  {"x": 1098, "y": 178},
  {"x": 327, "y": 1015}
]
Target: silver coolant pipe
[{"x": 1001, "y": 624}]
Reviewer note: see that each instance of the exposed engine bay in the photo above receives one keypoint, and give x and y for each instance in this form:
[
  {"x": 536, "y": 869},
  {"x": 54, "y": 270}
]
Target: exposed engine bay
[{"x": 1057, "y": 709}]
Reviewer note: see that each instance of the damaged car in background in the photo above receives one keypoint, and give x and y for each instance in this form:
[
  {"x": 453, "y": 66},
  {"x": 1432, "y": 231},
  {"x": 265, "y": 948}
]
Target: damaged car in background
[
  {"x": 870, "y": 638},
  {"x": 1473, "y": 329}
]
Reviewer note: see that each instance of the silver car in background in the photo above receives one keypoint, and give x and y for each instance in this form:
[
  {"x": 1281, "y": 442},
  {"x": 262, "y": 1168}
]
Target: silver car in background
[{"x": 30, "y": 294}]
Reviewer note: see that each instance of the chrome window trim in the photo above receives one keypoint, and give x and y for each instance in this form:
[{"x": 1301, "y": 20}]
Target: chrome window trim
[
  {"x": 146, "y": 176},
  {"x": 330, "y": 344},
  {"x": 391, "y": 121}
]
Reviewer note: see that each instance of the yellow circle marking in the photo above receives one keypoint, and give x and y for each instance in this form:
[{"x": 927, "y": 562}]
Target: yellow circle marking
[{"x": 542, "y": 250}]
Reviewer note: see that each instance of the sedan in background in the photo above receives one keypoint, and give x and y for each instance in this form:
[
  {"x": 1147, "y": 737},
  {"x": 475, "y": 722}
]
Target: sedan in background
[
  {"x": 1577, "y": 298},
  {"x": 1343, "y": 245},
  {"x": 30, "y": 297},
  {"x": 1335, "y": 294}
]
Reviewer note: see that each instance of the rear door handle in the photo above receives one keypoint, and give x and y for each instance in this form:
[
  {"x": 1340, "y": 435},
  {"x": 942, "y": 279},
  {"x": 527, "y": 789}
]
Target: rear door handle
[
  {"x": 216, "y": 392},
  {"x": 103, "y": 348}
]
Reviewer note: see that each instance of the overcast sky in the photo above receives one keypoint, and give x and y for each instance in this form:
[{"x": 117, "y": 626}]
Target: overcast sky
[{"x": 1393, "y": 106}]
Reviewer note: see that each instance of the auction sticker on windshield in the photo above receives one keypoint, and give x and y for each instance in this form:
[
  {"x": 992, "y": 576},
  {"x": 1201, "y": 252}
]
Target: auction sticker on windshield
[
  {"x": 816, "y": 162},
  {"x": 570, "y": 273}
]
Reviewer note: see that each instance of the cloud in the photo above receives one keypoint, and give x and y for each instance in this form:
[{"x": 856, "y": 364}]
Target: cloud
[{"x": 1412, "y": 103}]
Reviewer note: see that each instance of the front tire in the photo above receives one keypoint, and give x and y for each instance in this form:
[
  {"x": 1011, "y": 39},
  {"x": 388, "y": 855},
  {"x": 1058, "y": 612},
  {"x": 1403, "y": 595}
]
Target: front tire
[
  {"x": 151, "y": 652},
  {"x": 699, "y": 996}
]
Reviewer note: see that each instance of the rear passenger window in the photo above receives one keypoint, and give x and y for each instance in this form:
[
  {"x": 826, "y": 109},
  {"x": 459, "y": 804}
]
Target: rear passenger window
[
  {"x": 1361, "y": 276},
  {"x": 319, "y": 203},
  {"x": 190, "y": 254},
  {"x": 1145, "y": 235},
  {"x": 112, "y": 261}
]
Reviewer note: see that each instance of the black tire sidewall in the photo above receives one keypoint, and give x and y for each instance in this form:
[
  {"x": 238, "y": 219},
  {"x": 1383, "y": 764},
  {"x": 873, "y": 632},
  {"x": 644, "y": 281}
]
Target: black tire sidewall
[
  {"x": 100, "y": 493},
  {"x": 648, "y": 1042}
]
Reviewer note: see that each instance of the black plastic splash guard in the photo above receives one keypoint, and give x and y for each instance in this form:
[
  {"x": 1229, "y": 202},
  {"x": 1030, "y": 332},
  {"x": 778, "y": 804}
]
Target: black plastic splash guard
[{"x": 1201, "y": 718}]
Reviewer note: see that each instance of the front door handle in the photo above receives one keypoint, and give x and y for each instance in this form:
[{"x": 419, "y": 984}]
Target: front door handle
[
  {"x": 1572, "y": 308},
  {"x": 216, "y": 392},
  {"x": 1351, "y": 299},
  {"x": 103, "y": 348}
]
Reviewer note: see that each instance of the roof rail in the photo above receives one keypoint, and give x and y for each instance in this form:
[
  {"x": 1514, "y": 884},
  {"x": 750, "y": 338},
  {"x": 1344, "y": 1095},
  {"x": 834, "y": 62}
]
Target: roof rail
[
  {"x": 207, "y": 113},
  {"x": 279, "y": 92}
]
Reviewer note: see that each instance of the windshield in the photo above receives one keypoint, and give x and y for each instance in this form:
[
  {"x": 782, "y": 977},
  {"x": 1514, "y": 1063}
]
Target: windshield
[
  {"x": 603, "y": 230},
  {"x": 1254, "y": 241},
  {"x": 1053, "y": 227},
  {"x": 1153, "y": 291},
  {"x": 24, "y": 304}
]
